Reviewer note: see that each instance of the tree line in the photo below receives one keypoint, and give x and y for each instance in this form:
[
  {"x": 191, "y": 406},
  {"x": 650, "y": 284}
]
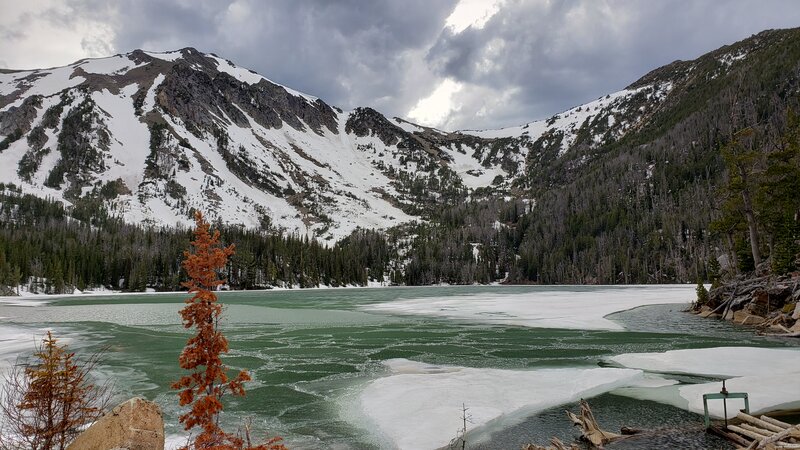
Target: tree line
[{"x": 56, "y": 249}]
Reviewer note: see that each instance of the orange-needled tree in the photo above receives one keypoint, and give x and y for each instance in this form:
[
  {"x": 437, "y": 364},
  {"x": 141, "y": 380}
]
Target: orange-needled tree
[
  {"x": 208, "y": 381},
  {"x": 46, "y": 401}
]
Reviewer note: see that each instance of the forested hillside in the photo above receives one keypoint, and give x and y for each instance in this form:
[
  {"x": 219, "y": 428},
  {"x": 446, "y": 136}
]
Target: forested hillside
[
  {"x": 638, "y": 209},
  {"x": 55, "y": 250},
  {"x": 624, "y": 189}
]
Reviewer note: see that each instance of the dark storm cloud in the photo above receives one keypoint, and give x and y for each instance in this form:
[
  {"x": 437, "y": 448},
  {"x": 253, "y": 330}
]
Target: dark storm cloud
[
  {"x": 555, "y": 55},
  {"x": 532, "y": 59},
  {"x": 348, "y": 52}
]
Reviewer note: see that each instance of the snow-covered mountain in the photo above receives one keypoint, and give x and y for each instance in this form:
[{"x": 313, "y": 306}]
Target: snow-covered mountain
[{"x": 152, "y": 136}]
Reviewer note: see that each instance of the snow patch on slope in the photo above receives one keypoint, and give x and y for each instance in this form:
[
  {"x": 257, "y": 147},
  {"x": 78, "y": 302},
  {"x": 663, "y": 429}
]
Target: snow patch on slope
[
  {"x": 166, "y": 56},
  {"x": 9, "y": 158},
  {"x": 407, "y": 126},
  {"x": 130, "y": 138},
  {"x": 44, "y": 82},
  {"x": 334, "y": 161},
  {"x": 113, "y": 65},
  {"x": 729, "y": 58},
  {"x": 569, "y": 122},
  {"x": 472, "y": 172},
  {"x": 150, "y": 97},
  {"x": 250, "y": 77}
]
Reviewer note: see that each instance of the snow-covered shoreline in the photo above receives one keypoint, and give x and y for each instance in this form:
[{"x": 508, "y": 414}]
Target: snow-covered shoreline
[
  {"x": 24, "y": 294},
  {"x": 45, "y": 298}
]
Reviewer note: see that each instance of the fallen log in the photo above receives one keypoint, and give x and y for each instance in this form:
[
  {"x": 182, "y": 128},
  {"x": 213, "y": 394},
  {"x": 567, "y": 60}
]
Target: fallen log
[
  {"x": 776, "y": 422},
  {"x": 731, "y": 436},
  {"x": 738, "y": 292},
  {"x": 772, "y": 441},
  {"x": 724, "y": 305},
  {"x": 757, "y": 430},
  {"x": 789, "y": 432},
  {"x": 747, "y": 433},
  {"x": 759, "y": 423}
]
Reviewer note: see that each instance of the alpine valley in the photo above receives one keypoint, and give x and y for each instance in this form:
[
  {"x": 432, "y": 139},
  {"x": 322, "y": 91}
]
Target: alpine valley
[{"x": 104, "y": 161}]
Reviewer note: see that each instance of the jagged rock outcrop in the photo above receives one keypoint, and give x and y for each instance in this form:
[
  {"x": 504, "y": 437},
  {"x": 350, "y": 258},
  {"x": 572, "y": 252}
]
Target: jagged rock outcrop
[
  {"x": 136, "y": 424},
  {"x": 366, "y": 121},
  {"x": 18, "y": 119}
]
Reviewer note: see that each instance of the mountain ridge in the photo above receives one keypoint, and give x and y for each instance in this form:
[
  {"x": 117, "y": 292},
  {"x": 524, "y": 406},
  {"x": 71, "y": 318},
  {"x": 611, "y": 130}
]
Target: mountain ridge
[
  {"x": 177, "y": 88},
  {"x": 618, "y": 190}
]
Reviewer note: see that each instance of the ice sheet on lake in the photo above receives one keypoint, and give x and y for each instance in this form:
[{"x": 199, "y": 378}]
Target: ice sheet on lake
[
  {"x": 716, "y": 362},
  {"x": 25, "y": 300},
  {"x": 418, "y": 406},
  {"x": 16, "y": 340},
  {"x": 766, "y": 393},
  {"x": 768, "y": 375},
  {"x": 175, "y": 441},
  {"x": 580, "y": 309}
]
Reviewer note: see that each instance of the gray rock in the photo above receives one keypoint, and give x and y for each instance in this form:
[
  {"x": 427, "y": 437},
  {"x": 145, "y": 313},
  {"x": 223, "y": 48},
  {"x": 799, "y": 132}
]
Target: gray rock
[{"x": 19, "y": 118}]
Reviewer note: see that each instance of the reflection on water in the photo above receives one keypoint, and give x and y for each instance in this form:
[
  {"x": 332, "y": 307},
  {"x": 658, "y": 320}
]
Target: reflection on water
[{"x": 312, "y": 352}]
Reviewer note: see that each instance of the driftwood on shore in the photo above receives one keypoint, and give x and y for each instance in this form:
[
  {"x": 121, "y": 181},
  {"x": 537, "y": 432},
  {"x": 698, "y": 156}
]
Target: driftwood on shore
[
  {"x": 555, "y": 444},
  {"x": 590, "y": 432},
  {"x": 756, "y": 433}
]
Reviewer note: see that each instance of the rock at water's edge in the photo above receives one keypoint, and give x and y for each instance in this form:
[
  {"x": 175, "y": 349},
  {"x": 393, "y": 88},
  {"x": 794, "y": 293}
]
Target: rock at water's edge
[
  {"x": 742, "y": 317},
  {"x": 136, "y": 424}
]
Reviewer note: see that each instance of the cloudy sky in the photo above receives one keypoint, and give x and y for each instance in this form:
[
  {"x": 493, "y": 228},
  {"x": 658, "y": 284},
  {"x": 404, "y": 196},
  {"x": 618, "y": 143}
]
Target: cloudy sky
[{"x": 454, "y": 64}]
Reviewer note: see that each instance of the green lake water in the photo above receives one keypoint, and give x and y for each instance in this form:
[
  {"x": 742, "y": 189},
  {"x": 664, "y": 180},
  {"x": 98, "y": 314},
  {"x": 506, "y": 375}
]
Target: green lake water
[{"x": 311, "y": 352}]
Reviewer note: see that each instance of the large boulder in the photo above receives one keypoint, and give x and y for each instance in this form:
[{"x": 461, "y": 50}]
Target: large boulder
[
  {"x": 745, "y": 318},
  {"x": 136, "y": 424}
]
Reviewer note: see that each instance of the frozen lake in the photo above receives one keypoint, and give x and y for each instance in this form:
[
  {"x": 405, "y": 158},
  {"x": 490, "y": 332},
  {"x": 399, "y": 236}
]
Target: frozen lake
[{"x": 391, "y": 367}]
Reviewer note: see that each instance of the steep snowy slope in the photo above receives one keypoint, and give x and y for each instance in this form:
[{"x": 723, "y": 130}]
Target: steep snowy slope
[
  {"x": 608, "y": 117},
  {"x": 153, "y": 136}
]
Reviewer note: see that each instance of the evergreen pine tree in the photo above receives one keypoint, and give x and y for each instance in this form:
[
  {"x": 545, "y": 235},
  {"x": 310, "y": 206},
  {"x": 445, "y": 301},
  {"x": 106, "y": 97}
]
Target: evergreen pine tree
[{"x": 702, "y": 293}]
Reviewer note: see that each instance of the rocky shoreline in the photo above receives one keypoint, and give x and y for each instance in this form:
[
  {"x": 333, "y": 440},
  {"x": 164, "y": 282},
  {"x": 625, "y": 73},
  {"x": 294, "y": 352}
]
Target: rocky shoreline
[{"x": 768, "y": 303}]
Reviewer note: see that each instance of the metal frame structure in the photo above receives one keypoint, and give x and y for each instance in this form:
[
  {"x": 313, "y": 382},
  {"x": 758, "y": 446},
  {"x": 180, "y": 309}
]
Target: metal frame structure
[{"x": 724, "y": 395}]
